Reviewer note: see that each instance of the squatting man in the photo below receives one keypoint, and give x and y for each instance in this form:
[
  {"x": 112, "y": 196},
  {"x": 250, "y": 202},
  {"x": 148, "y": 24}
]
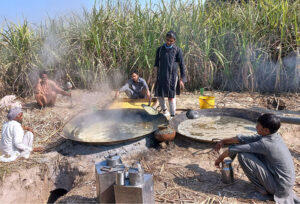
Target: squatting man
[
  {"x": 15, "y": 141},
  {"x": 135, "y": 88},
  {"x": 266, "y": 161},
  {"x": 46, "y": 91}
]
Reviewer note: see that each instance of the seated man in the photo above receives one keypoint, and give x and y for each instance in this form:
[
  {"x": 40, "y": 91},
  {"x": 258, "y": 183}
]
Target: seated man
[
  {"x": 135, "y": 88},
  {"x": 46, "y": 91},
  {"x": 266, "y": 161},
  {"x": 13, "y": 141}
]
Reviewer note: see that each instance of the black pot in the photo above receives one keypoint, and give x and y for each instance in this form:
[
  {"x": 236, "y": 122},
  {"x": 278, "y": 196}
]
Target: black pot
[{"x": 192, "y": 114}]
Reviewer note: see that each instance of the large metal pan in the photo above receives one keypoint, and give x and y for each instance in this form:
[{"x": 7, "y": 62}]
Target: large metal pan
[
  {"x": 250, "y": 115},
  {"x": 112, "y": 126},
  {"x": 233, "y": 112}
]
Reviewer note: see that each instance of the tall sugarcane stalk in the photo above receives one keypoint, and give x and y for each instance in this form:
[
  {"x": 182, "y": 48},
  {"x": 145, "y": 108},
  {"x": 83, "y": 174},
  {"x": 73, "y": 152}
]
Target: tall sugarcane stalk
[{"x": 227, "y": 46}]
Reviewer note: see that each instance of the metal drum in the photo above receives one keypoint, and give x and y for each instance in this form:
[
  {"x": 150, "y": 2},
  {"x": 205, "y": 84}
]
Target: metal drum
[
  {"x": 227, "y": 172},
  {"x": 136, "y": 175},
  {"x": 120, "y": 178}
]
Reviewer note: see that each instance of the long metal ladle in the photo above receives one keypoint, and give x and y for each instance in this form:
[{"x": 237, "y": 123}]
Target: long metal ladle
[{"x": 150, "y": 110}]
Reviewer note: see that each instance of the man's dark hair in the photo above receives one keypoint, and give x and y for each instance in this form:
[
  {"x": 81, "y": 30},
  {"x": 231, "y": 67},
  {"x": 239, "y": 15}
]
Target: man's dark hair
[
  {"x": 134, "y": 72},
  {"x": 171, "y": 34},
  {"x": 42, "y": 72},
  {"x": 270, "y": 121}
]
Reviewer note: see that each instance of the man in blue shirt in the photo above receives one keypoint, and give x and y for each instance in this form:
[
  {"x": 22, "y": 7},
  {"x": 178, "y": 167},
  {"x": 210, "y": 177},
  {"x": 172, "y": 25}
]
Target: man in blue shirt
[{"x": 135, "y": 88}]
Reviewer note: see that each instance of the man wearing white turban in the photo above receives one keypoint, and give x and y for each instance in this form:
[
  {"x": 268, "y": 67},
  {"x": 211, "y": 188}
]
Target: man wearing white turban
[{"x": 14, "y": 142}]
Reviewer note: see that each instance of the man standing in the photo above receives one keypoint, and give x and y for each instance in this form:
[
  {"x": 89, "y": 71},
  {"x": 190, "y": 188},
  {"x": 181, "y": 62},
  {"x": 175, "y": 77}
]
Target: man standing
[
  {"x": 167, "y": 59},
  {"x": 135, "y": 88},
  {"x": 13, "y": 141},
  {"x": 46, "y": 91}
]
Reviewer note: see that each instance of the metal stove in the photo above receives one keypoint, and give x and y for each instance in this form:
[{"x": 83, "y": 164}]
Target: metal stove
[{"x": 106, "y": 172}]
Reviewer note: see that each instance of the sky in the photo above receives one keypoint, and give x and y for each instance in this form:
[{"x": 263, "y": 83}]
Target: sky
[{"x": 36, "y": 11}]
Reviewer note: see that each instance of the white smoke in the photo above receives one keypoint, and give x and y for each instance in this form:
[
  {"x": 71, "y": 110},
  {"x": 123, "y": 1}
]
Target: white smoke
[
  {"x": 49, "y": 57},
  {"x": 52, "y": 51}
]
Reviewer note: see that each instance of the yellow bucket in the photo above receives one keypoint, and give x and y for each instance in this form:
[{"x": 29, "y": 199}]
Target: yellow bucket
[{"x": 206, "y": 102}]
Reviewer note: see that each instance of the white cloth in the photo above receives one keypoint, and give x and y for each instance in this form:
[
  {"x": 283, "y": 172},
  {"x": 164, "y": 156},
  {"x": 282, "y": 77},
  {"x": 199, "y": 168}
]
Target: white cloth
[
  {"x": 14, "y": 142},
  {"x": 9, "y": 102},
  {"x": 13, "y": 113}
]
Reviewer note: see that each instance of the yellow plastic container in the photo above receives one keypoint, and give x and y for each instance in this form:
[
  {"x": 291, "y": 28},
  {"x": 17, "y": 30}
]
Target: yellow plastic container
[
  {"x": 128, "y": 103},
  {"x": 206, "y": 102}
]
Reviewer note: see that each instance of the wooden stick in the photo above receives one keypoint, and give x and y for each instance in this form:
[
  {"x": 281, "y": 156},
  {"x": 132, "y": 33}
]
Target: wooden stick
[{"x": 161, "y": 169}]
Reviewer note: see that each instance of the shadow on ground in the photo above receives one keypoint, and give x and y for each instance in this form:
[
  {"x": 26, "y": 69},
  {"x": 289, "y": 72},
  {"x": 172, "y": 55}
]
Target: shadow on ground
[
  {"x": 210, "y": 182},
  {"x": 30, "y": 106},
  {"x": 71, "y": 148},
  {"x": 295, "y": 154},
  {"x": 182, "y": 141},
  {"x": 77, "y": 199}
]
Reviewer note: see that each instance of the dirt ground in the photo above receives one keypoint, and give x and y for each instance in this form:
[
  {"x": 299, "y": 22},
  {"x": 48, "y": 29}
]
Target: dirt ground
[{"x": 184, "y": 172}]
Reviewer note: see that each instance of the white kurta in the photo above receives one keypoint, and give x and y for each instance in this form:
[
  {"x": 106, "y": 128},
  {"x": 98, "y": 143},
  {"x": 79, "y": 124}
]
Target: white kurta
[{"x": 14, "y": 141}]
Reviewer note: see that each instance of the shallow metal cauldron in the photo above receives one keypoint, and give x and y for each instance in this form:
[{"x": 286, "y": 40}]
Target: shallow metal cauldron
[
  {"x": 234, "y": 112},
  {"x": 117, "y": 116},
  {"x": 247, "y": 114}
]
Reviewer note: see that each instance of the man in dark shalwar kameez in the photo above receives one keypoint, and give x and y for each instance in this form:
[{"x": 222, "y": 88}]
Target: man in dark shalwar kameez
[
  {"x": 168, "y": 83},
  {"x": 266, "y": 161}
]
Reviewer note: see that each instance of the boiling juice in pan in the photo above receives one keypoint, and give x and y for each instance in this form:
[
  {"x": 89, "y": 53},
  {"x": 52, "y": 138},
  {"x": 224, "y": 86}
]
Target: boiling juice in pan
[{"x": 111, "y": 126}]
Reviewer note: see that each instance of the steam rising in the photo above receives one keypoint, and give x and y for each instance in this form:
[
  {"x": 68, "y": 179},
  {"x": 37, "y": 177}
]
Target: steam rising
[
  {"x": 52, "y": 56},
  {"x": 52, "y": 51},
  {"x": 255, "y": 70}
]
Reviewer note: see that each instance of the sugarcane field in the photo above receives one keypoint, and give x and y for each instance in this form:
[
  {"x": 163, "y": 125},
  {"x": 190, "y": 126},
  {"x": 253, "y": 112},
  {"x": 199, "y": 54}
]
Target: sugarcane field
[{"x": 150, "y": 101}]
